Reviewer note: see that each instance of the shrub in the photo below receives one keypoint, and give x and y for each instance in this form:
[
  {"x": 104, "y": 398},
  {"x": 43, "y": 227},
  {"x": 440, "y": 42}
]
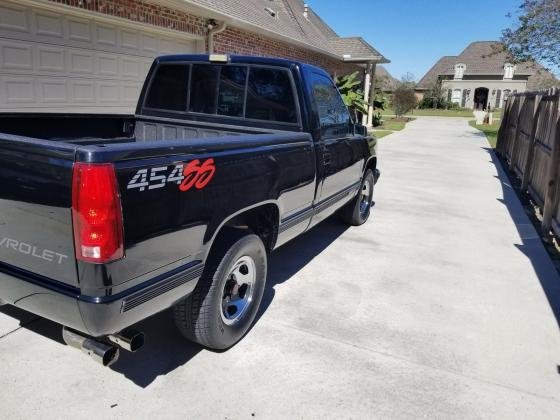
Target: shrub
[
  {"x": 376, "y": 120},
  {"x": 404, "y": 99}
]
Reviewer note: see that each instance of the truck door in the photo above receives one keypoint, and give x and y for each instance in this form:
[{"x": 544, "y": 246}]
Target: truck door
[{"x": 339, "y": 152}]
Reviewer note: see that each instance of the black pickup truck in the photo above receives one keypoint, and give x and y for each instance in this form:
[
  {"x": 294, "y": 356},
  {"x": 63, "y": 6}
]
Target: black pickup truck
[{"x": 106, "y": 220}]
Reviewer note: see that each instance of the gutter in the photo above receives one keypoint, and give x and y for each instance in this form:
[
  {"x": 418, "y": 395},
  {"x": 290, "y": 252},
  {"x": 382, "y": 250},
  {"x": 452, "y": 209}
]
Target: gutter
[{"x": 372, "y": 59}]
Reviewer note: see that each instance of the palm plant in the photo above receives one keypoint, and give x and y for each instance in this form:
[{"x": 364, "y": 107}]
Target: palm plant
[{"x": 352, "y": 94}]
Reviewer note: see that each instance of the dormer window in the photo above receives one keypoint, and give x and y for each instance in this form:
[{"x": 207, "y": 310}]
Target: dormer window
[
  {"x": 508, "y": 71},
  {"x": 459, "y": 70}
]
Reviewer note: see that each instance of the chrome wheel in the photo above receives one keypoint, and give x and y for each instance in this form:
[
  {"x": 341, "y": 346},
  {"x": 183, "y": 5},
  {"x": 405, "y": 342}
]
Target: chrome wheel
[
  {"x": 365, "y": 197},
  {"x": 238, "y": 290}
]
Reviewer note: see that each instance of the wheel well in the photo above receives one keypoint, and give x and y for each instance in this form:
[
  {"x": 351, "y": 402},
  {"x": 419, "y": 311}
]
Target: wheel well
[
  {"x": 262, "y": 221},
  {"x": 371, "y": 164}
]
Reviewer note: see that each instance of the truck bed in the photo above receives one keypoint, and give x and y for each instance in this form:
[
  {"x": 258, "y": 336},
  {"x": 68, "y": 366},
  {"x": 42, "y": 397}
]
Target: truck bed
[{"x": 96, "y": 129}]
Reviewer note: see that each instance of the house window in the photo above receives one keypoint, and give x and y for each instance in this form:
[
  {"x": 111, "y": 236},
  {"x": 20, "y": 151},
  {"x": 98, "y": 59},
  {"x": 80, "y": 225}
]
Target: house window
[
  {"x": 459, "y": 70},
  {"x": 498, "y": 99},
  {"x": 508, "y": 71},
  {"x": 449, "y": 94},
  {"x": 456, "y": 96},
  {"x": 507, "y": 92}
]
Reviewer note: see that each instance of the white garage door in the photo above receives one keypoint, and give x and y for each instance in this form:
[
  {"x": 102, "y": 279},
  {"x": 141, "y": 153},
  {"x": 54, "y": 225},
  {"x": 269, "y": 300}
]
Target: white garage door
[{"x": 58, "y": 60}]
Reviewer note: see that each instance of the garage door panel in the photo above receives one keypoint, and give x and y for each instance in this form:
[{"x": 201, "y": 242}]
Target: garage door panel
[
  {"x": 50, "y": 59},
  {"x": 48, "y": 25},
  {"x": 13, "y": 18},
  {"x": 82, "y": 91},
  {"x": 79, "y": 30},
  {"x": 54, "y": 61},
  {"x": 18, "y": 90},
  {"x": 52, "y": 90},
  {"x": 16, "y": 56}
]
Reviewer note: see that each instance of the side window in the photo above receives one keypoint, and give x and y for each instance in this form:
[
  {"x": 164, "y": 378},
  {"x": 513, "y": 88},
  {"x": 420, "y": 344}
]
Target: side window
[
  {"x": 331, "y": 107},
  {"x": 270, "y": 96},
  {"x": 168, "y": 89}
]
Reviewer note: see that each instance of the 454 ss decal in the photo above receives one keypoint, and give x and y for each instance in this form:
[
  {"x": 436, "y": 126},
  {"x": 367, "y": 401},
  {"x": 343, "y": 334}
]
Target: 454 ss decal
[{"x": 186, "y": 176}]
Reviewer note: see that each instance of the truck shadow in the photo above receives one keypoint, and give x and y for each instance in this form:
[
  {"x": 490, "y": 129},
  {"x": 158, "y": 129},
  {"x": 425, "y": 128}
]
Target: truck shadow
[
  {"x": 165, "y": 349},
  {"x": 531, "y": 244}
]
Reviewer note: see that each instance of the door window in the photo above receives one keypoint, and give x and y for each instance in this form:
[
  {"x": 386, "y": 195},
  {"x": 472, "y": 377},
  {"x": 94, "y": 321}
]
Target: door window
[{"x": 333, "y": 114}]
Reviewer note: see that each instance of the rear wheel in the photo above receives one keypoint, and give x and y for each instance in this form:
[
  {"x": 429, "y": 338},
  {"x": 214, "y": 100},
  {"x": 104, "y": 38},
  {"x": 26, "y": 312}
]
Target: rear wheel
[
  {"x": 357, "y": 211},
  {"x": 225, "y": 302}
]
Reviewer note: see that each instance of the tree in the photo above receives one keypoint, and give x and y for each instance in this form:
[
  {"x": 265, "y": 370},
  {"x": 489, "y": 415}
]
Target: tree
[
  {"x": 434, "y": 96},
  {"x": 404, "y": 99},
  {"x": 536, "y": 35},
  {"x": 352, "y": 94}
]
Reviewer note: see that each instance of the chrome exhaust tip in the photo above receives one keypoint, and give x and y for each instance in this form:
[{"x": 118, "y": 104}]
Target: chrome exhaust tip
[
  {"x": 102, "y": 353},
  {"x": 128, "y": 339}
]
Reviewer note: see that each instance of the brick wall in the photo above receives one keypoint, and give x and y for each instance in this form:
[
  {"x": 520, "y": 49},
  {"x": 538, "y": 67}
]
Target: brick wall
[
  {"x": 144, "y": 12},
  {"x": 237, "y": 41},
  {"x": 232, "y": 40}
]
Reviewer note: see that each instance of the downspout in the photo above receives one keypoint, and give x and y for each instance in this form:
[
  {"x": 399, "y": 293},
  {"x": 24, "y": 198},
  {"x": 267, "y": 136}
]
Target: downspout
[{"x": 213, "y": 30}]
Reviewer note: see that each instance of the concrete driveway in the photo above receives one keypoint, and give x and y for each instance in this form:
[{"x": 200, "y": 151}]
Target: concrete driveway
[{"x": 442, "y": 306}]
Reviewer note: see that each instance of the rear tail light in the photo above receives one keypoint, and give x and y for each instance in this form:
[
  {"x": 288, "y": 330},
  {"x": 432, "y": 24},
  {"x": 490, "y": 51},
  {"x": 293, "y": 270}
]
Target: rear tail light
[{"x": 96, "y": 213}]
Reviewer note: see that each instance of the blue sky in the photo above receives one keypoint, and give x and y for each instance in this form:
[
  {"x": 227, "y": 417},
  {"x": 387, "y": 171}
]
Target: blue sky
[{"x": 414, "y": 34}]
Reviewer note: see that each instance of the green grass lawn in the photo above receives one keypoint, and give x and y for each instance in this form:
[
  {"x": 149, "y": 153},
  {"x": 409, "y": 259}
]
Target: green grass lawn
[
  {"x": 381, "y": 133},
  {"x": 491, "y": 131},
  {"x": 441, "y": 112},
  {"x": 393, "y": 124}
]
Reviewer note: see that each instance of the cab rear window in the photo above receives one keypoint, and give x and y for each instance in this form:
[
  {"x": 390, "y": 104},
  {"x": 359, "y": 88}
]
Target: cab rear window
[
  {"x": 252, "y": 92},
  {"x": 168, "y": 89}
]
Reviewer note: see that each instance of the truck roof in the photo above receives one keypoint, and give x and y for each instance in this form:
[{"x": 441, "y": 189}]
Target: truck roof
[{"x": 240, "y": 59}]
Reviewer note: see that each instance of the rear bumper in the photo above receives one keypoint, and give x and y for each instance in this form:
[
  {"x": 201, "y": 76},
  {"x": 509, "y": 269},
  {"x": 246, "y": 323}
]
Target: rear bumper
[{"x": 96, "y": 315}]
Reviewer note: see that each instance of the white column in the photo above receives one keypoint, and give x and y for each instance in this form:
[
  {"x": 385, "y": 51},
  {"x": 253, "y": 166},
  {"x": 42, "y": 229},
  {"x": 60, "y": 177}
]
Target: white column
[
  {"x": 367, "y": 88},
  {"x": 371, "y": 95}
]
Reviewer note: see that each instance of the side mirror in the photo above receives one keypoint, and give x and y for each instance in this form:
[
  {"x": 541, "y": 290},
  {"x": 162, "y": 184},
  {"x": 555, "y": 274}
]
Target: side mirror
[{"x": 357, "y": 128}]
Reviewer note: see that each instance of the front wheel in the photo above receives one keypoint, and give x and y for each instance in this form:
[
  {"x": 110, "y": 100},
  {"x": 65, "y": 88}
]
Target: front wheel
[
  {"x": 357, "y": 211},
  {"x": 226, "y": 299}
]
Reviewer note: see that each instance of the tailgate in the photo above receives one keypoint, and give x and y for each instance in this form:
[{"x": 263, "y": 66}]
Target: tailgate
[{"x": 35, "y": 207}]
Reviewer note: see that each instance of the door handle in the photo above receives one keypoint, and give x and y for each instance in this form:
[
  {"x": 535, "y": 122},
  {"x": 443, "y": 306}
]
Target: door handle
[{"x": 326, "y": 158}]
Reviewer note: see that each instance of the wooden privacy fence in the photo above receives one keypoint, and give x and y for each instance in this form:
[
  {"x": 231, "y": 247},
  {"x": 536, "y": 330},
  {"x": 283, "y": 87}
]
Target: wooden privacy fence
[{"x": 529, "y": 142}]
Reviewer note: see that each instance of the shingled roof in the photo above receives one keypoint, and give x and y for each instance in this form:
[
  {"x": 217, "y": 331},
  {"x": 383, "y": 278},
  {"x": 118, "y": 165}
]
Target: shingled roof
[
  {"x": 287, "y": 22},
  {"x": 355, "y": 49},
  {"x": 480, "y": 58},
  {"x": 437, "y": 69},
  {"x": 385, "y": 81}
]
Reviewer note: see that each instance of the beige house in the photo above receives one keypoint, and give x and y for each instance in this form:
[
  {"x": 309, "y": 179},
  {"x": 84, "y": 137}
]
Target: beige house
[{"x": 483, "y": 76}]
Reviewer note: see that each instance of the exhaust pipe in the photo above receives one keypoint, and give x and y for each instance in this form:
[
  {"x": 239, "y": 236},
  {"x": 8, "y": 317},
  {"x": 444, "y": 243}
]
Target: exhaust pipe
[
  {"x": 128, "y": 339},
  {"x": 102, "y": 353}
]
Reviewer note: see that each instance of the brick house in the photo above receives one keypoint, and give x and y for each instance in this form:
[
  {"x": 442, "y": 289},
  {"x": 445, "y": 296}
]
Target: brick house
[
  {"x": 484, "y": 75},
  {"x": 93, "y": 55}
]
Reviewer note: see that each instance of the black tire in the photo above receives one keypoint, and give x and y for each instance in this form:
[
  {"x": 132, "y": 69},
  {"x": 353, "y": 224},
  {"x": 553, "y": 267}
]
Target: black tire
[
  {"x": 357, "y": 211},
  {"x": 205, "y": 317}
]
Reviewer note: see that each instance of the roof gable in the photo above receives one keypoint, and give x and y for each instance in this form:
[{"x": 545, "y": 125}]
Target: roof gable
[
  {"x": 480, "y": 58},
  {"x": 289, "y": 22}
]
